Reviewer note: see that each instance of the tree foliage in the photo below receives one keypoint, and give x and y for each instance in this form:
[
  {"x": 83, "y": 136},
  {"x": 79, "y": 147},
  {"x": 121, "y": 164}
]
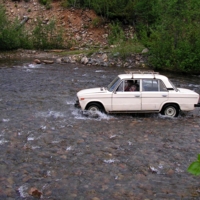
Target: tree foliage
[
  {"x": 122, "y": 10},
  {"x": 174, "y": 42},
  {"x": 170, "y": 29}
]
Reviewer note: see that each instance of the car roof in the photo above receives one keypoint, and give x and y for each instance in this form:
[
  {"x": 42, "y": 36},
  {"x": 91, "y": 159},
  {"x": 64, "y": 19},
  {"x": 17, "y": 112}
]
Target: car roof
[
  {"x": 137, "y": 76},
  {"x": 146, "y": 76}
]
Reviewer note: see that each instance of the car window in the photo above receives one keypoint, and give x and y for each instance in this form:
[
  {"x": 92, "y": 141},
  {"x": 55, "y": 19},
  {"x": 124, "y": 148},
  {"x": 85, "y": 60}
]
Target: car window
[
  {"x": 162, "y": 86},
  {"x": 174, "y": 87},
  {"x": 114, "y": 84},
  {"x": 153, "y": 85},
  {"x": 121, "y": 87},
  {"x": 129, "y": 85}
]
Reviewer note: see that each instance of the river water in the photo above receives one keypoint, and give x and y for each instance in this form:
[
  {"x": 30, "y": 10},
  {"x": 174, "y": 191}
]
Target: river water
[{"x": 49, "y": 150}]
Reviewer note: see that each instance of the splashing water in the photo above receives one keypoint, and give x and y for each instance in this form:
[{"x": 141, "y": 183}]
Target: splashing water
[
  {"x": 48, "y": 114},
  {"x": 85, "y": 115}
]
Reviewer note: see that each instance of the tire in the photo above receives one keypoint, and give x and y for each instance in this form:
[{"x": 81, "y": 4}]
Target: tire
[
  {"x": 95, "y": 107},
  {"x": 170, "y": 110}
]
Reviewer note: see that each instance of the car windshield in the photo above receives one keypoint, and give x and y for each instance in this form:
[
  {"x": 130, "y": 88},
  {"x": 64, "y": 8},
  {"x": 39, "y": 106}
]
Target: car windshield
[{"x": 113, "y": 84}]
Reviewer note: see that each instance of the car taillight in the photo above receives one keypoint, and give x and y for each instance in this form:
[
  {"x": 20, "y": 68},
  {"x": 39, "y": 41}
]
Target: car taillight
[{"x": 81, "y": 99}]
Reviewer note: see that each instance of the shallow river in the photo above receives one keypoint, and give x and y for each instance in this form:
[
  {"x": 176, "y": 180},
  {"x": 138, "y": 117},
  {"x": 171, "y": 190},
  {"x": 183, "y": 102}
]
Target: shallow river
[{"x": 49, "y": 150}]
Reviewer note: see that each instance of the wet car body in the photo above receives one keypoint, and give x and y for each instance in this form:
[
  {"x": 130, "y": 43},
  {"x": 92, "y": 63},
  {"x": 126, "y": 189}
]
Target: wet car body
[{"x": 152, "y": 93}]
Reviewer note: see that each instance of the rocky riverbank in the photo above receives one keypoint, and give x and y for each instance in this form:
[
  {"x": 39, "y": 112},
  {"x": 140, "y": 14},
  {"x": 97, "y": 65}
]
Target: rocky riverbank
[
  {"x": 99, "y": 58},
  {"x": 83, "y": 28}
]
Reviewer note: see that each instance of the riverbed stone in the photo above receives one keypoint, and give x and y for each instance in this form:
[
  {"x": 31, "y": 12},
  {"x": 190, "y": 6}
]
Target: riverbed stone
[
  {"x": 84, "y": 60},
  {"x": 48, "y": 61},
  {"x": 37, "y": 61}
]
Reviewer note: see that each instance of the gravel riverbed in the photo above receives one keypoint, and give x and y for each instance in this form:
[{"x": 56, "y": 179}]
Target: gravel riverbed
[{"x": 49, "y": 150}]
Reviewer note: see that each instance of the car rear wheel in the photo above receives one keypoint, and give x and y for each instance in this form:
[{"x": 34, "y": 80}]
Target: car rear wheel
[
  {"x": 170, "y": 110},
  {"x": 95, "y": 107}
]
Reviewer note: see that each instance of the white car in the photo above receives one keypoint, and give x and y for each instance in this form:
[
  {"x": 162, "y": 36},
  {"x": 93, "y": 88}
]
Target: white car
[{"x": 139, "y": 92}]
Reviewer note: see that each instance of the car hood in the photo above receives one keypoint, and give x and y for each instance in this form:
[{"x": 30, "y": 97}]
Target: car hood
[
  {"x": 183, "y": 90},
  {"x": 92, "y": 91}
]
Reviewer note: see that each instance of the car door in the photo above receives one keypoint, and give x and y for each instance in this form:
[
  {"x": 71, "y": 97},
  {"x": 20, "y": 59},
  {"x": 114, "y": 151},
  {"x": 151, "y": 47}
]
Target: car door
[
  {"x": 154, "y": 94},
  {"x": 125, "y": 100}
]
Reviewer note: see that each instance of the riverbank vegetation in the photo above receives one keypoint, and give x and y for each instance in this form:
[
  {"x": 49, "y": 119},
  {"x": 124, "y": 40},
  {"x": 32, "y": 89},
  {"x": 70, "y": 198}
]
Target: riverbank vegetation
[
  {"x": 194, "y": 167},
  {"x": 169, "y": 29},
  {"x": 13, "y": 35}
]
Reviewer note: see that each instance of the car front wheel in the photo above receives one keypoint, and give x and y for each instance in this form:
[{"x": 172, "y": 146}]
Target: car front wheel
[
  {"x": 94, "y": 107},
  {"x": 170, "y": 110}
]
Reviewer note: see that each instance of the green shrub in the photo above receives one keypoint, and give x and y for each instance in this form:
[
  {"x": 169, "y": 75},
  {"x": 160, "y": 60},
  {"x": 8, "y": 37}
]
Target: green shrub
[
  {"x": 194, "y": 167},
  {"x": 65, "y": 3},
  {"x": 127, "y": 48},
  {"x": 96, "y": 22},
  {"x": 43, "y": 2},
  {"x": 113, "y": 9},
  {"x": 47, "y": 3},
  {"x": 14, "y": 35},
  {"x": 116, "y": 34},
  {"x": 73, "y": 3},
  {"x": 122, "y": 45},
  {"x": 47, "y": 36}
]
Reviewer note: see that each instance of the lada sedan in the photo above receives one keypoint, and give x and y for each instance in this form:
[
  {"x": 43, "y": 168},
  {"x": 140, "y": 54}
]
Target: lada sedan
[{"x": 139, "y": 92}]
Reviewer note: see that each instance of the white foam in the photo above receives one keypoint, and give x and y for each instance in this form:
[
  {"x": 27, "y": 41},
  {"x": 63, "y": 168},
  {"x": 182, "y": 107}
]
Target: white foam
[
  {"x": 69, "y": 148},
  {"x": 99, "y": 71},
  {"x": 70, "y": 102},
  {"x": 33, "y": 66},
  {"x": 6, "y": 120},
  {"x": 110, "y": 161},
  {"x": 22, "y": 191},
  {"x": 3, "y": 141},
  {"x": 129, "y": 143},
  {"x": 98, "y": 116},
  {"x": 178, "y": 170},
  {"x": 48, "y": 173},
  {"x": 43, "y": 127},
  {"x": 167, "y": 117},
  {"x": 51, "y": 113},
  {"x": 35, "y": 147},
  {"x": 55, "y": 142},
  {"x": 30, "y": 138}
]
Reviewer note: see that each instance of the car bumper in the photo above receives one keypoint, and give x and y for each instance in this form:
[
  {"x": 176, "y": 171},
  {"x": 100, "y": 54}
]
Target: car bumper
[
  {"x": 77, "y": 105},
  {"x": 197, "y": 105}
]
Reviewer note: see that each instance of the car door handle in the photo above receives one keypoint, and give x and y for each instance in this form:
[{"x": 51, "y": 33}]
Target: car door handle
[
  {"x": 164, "y": 95},
  {"x": 137, "y": 95}
]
